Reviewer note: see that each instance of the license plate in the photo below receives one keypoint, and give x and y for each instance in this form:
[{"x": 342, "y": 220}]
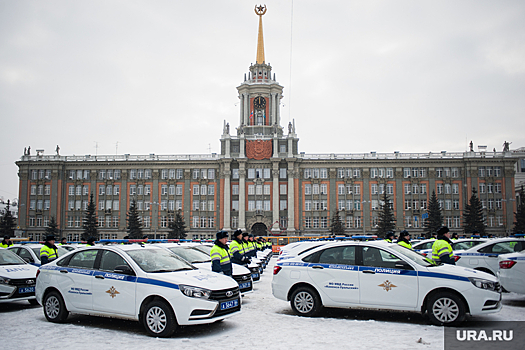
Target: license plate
[
  {"x": 23, "y": 290},
  {"x": 229, "y": 304},
  {"x": 255, "y": 275},
  {"x": 245, "y": 285}
]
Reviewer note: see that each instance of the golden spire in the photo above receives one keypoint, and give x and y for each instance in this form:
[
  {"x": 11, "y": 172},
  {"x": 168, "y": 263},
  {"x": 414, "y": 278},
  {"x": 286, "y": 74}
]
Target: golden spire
[{"x": 260, "y": 11}]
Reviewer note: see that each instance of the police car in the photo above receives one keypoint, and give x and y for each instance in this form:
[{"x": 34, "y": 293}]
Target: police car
[
  {"x": 202, "y": 260},
  {"x": 381, "y": 275},
  {"x": 145, "y": 283},
  {"x": 484, "y": 257},
  {"x": 17, "y": 278},
  {"x": 298, "y": 248},
  {"x": 511, "y": 272},
  {"x": 425, "y": 247},
  {"x": 254, "y": 268},
  {"x": 31, "y": 252}
]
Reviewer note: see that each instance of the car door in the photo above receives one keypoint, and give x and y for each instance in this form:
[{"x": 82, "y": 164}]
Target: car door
[
  {"x": 75, "y": 278},
  {"x": 334, "y": 272},
  {"x": 113, "y": 292},
  {"x": 386, "y": 280},
  {"x": 492, "y": 251}
]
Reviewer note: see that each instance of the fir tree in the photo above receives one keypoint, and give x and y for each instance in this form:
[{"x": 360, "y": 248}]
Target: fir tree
[
  {"x": 519, "y": 224},
  {"x": 473, "y": 215},
  {"x": 90, "y": 223},
  {"x": 435, "y": 218},
  {"x": 134, "y": 228},
  {"x": 387, "y": 220},
  {"x": 7, "y": 222},
  {"x": 52, "y": 227},
  {"x": 177, "y": 227},
  {"x": 337, "y": 228}
]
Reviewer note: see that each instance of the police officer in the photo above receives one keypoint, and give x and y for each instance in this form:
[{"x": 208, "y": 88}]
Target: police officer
[
  {"x": 91, "y": 241},
  {"x": 220, "y": 255},
  {"x": 455, "y": 236},
  {"x": 246, "y": 244},
  {"x": 389, "y": 236},
  {"x": 404, "y": 239},
  {"x": 63, "y": 241},
  {"x": 237, "y": 249},
  {"x": 6, "y": 242},
  {"x": 48, "y": 252},
  {"x": 253, "y": 246},
  {"x": 442, "y": 248}
]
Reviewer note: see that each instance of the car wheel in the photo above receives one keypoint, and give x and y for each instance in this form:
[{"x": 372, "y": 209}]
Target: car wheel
[
  {"x": 445, "y": 309},
  {"x": 306, "y": 302},
  {"x": 54, "y": 307},
  {"x": 159, "y": 319},
  {"x": 33, "y": 302}
]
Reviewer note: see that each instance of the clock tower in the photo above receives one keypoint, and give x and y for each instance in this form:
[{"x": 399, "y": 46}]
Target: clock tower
[{"x": 259, "y": 158}]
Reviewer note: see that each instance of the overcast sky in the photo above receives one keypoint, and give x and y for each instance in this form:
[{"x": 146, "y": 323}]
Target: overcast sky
[{"x": 161, "y": 76}]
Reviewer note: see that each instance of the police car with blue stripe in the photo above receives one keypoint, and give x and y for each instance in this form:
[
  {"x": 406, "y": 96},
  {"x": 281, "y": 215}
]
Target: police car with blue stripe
[
  {"x": 381, "y": 275},
  {"x": 512, "y": 272},
  {"x": 138, "y": 282},
  {"x": 17, "y": 278},
  {"x": 484, "y": 257}
]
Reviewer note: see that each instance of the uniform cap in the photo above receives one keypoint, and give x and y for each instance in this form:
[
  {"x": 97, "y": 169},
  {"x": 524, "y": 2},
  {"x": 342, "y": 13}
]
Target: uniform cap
[
  {"x": 222, "y": 234},
  {"x": 237, "y": 232},
  {"x": 50, "y": 238},
  {"x": 443, "y": 230}
]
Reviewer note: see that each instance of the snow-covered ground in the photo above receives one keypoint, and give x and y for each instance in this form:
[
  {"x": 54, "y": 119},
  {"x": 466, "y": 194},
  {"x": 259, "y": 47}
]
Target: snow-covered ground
[{"x": 265, "y": 322}]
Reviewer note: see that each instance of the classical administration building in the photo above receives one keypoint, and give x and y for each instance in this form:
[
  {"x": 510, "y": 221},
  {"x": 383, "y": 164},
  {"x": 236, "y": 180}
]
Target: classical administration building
[{"x": 261, "y": 182}]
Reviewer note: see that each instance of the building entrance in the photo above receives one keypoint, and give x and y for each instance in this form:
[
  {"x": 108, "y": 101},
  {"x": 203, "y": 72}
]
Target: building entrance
[{"x": 259, "y": 229}]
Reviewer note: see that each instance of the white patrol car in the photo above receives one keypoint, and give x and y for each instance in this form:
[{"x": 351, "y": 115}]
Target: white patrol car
[
  {"x": 17, "y": 278},
  {"x": 202, "y": 260},
  {"x": 511, "y": 272},
  {"x": 299, "y": 248},
  {"x": 31, "y": 252},
  {"x": 381, "y": 275},
  {"x": 484, "y": 257},
  {"x": 138, "y": 282},
  {"x": 425, "y": 247}
]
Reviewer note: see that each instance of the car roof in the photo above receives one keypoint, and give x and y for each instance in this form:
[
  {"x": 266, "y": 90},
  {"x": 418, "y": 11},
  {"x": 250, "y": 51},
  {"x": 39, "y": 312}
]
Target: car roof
[{"x": 493, "y": 241}]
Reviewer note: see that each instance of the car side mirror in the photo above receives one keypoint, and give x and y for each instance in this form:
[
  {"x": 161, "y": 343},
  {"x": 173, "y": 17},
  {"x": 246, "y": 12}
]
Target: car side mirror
[
  {"x": 401, "y": 264},
  {"x": 124, "y": 270}
]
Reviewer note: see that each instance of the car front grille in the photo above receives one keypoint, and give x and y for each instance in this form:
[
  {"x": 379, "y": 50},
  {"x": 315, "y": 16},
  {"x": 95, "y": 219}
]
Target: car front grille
[{"x": 224, "y": 294}]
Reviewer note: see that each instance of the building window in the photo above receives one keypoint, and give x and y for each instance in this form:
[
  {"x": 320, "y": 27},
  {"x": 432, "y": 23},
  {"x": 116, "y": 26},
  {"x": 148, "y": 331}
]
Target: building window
[
  {"x": 251, "y": 189},
  {"x": 307, "y": 222},
  {"x": 266, "y": 189},
  {"x": 282, "y": 204},
  {"x": 307, "y": 189},
  {"x": 282, "y": 173},
  {"x": 282, "y": 189},
  {"x": 251, "y": 173}
]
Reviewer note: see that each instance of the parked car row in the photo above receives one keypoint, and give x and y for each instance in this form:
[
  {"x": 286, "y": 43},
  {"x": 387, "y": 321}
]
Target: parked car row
[{"x": 381, "y": 275}]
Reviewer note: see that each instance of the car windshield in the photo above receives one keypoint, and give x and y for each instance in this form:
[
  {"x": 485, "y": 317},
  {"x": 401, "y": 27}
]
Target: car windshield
[
  {"x": 203, "y": 248},
  {"x": 192, "y": 255},
  {"x": 158, "y": 260},
  {"x": 9, "y": 258},
  {"x": 414, "y": 256}
]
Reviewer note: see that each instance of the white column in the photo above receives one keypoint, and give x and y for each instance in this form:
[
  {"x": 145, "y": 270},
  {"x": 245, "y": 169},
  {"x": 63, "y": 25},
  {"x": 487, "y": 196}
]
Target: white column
[
  {"x": 246, "y": 109},
  {"x": 291, "y": 201},
  {"x": 241, "y": 145},
  {"x": 275, "y": 199},
  {"x": 241, "y": 109},
  {"x": 227, "y": 199},
  {"x": 242, "y": 196},
  {"x": 278, "y": 114}
]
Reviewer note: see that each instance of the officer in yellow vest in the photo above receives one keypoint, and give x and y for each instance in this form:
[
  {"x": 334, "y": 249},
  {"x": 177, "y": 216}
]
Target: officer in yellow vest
[
  {"x": 404, "y": 239},
  {"x": 220, "y": 255},
  {"x": 389, "y": 236},
  {"x": 48, "y": 252},
  {"x": 237, "y": 249},
  {"x": 63, "y": 241},
  {"x": 6, "y": 242},
  {"x": 442, "y": 248}
]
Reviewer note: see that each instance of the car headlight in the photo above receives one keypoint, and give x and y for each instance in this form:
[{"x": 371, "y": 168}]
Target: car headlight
[
  {"x": 484, "y": 284},
  {"x": 4, "y": 280},
  {"x": 194, "y": 292}
]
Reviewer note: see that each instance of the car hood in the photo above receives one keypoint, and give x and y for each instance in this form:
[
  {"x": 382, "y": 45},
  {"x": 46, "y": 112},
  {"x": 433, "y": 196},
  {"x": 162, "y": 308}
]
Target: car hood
[
  {"x": 197, "y": 278},
  {"x": 457, "y": 272},
  {"x": 18, "y": 271}
]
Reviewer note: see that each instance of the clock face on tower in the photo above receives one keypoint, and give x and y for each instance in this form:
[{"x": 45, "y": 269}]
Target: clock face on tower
[{"x": 259, "y": 102}]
